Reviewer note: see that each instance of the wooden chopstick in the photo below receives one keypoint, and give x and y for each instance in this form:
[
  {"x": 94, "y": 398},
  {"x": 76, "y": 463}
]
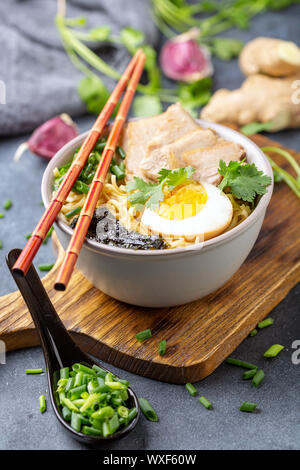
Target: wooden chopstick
[
  {"x": 96, "y": 186},
  {"x": 32, "y": 246}
]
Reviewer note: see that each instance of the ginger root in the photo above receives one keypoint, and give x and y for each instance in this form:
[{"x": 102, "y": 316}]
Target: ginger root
[
  {"x": 260, "y": 98},
  {"x": 270, "y": 56}
]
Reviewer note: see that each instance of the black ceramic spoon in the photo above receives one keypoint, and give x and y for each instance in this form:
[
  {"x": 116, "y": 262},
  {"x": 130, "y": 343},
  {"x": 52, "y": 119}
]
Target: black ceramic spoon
[{"x": 59, "y": 348}]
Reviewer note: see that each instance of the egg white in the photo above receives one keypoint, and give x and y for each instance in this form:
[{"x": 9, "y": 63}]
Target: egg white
[{"x": 210, "y": 221}]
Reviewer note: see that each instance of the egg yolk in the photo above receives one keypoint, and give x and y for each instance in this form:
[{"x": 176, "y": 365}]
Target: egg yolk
[{"x": 183, "y": 202}]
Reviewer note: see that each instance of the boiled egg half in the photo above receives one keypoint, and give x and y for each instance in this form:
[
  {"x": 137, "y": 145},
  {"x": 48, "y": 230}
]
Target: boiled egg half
[{"x": 191, "y": 210}]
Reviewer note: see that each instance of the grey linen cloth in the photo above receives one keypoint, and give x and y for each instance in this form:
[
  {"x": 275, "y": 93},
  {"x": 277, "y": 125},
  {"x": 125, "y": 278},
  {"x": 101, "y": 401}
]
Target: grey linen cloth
[{"x": 39, "y": 78}]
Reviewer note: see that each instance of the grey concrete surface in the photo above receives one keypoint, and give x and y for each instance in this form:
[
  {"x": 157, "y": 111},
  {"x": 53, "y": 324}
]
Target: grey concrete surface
[{"x": 184, "y": 423}]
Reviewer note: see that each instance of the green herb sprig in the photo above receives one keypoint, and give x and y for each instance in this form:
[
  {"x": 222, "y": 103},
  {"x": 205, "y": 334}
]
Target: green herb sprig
[
  {"x": 141, "y": 193},
  {"x": 244, "y": 180},
  {"x": 92, "y": 89}
]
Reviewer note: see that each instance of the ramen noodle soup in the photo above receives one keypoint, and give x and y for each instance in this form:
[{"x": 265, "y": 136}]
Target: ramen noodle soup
[{"x": 162, "y": 188}]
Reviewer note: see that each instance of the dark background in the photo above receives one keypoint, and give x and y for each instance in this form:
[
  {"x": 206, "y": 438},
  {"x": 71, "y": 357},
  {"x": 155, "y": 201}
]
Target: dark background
[{"x": 184, "y": 423}]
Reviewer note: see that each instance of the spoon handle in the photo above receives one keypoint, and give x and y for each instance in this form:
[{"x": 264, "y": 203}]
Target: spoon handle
[{"x": 59, "y": 348}]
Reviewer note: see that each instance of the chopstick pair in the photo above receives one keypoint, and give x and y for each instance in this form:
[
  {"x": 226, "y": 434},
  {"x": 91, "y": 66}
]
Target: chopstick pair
[{"x": 132, "y": 75}]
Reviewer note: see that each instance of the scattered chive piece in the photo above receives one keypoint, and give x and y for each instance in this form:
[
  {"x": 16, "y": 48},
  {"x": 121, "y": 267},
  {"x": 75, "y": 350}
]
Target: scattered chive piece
[
  {"x": 90, "y": 431},
  {"x": 248, "y": 374},
  {"x": 147, "y": 410},
  {"x": 121, "y": 152},
  {"x": 191, "y": 389},
  {"x": 205, "y": 402},
  {"x": 7, "y": 205},
  {"x": 248, "y": 407},
  {"x": 28, "y": 236},
  {"x": 94, "y": 401},
  {"x": 258, "y": 378},
  {"x": 273, "y": 350},
  {"x": 45, "y": 267},
  {"x": 75, "y": 421},
  {"x": 41, "y": 203},
  {"x": 34, "y": 371},
  {"x": 142, "y": 335},
  {"x": 1, "y": 215},
  {"x": 253, "y": 332},
  {"x": 267, "y": 322},
  {"x": 47, "y": 236},
  {"x": 73, "y": 212},
  {"x": 238, "y": 362},
  {"x": 42, "y": 402},
  {"x": 64, "y": 373},
  {"x": 162, "y": 347},
  {"x": 1, "y": 244}
]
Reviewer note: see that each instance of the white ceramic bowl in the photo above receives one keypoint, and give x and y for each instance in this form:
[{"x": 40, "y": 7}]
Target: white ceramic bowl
[{"x": 163, "y": 278}]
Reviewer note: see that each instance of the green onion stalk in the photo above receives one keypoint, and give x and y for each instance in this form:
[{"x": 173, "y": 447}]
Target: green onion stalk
[
  {"x": 173, "y": 16},
  {"x": 280, "y": 173},
  {"x": 86, "y": 60}
]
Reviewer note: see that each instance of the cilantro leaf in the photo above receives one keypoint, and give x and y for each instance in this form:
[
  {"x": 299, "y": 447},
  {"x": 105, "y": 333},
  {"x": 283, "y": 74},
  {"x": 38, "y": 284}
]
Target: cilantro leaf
[
  {"x": 244, "y": 180},
  {"x": 150, "y": 195},
  {"x": 132, "y": 38},
  {"x": 147, "y": 194},
  {"x": 176, "y": 177},
  {"x": 226, "y": 48},
  {"x": 93, "y": 93}
]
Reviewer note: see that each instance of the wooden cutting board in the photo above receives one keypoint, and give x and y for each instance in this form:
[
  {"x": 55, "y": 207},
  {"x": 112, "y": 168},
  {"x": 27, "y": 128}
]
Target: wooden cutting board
[{"x": 199, "y": 335}]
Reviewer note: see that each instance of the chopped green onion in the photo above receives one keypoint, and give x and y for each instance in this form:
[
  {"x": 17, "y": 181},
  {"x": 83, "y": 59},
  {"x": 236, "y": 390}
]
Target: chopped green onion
[
  {"x": 91, "y": 431},
  {"x": 205, "y": 402},
  {"x": 42, "y": 403},
  {"x": 100, "y": 146},
  {"x": 75, "y": 421},
  {"x": 81, "y": 187},
  {"x": 142, "y": 335},
  {"x": 7, "y": 204},
  {"x": 28, "y": 236},
  {"x": 239, "y": 363},
  {"x": 69, "y": 404},
  {"x": 191, "y": 389},
  {"x": 253, "y": 332},
  {"x": 70, "y": 384},
  {"x": 147, "y": 410},
  {"x": 123, "y": 411},
  {"x": 91, "y": 404},
  {"x": 267, "y": 322},
  {"x": 73, "y": 212},
  {"x": 273, "y": 350},
  {"x": 248, "y": 374},
  {"x": 258, "y": 378},
  {"x": 81, "y": 367},
  {"x": 103, "y": 413},
  {"x": 75, "y": 393},
  {"x": 116, "y": 170},
  {"x": 100, "y": 372},
  {"x": 34, "y": 371},
  {"x": 47, "y": 236},
  {"x": 66, "y": 413},
  {"x": 162, "y": 347},
  {"x": 45, "y": 267},
  {"x": 132, "y": 414},
  {"x": 64, "y": 373},
  {"x": 1, "y": 245},
  {"x": 114, "y": 424},
  {"x": 1, "y": 215},
  {"x": 121, "y": 152},
  {"x": 248, "y": 407}
]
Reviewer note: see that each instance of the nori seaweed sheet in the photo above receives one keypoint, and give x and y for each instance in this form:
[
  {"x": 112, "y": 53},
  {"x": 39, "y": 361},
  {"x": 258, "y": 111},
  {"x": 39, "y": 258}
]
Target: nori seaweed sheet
[{"x": 105, "y": 228}]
